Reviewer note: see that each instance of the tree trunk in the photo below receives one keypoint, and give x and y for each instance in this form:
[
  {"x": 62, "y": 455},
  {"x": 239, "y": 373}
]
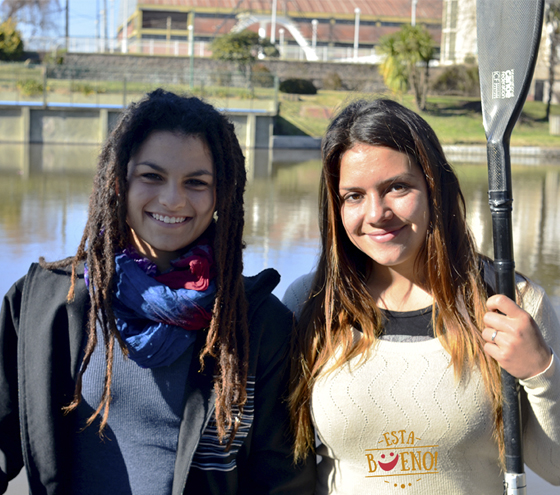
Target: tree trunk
[
  {"x": 425, "y": 86},
  {"x": 416, "y": 87},
  {"x": 551, "y": 67}
]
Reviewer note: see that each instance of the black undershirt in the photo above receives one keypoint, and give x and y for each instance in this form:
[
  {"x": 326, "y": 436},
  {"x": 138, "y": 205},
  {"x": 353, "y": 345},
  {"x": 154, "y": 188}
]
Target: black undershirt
[{"x": 414, "y": 324}]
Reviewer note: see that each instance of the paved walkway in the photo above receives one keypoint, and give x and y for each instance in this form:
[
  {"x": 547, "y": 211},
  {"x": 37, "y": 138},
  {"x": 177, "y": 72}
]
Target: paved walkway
[{"x": 520, "y": 155}]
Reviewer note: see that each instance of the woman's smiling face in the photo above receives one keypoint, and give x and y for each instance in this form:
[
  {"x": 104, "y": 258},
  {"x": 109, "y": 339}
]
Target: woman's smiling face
[
  {"x": 171, "y": 195},
  {"x": 384, "y": 210}
]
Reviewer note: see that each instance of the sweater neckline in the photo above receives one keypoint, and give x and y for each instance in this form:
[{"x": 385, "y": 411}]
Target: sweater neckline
[
  {"x": 421, "y": 347},
  {"x": 408, "y": 314}
]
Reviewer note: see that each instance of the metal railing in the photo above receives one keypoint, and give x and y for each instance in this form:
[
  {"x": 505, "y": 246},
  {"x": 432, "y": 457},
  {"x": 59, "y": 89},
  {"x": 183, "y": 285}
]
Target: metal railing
[
  {"x": 179, "y": 48},
  {"x": 116, "y": 87}
]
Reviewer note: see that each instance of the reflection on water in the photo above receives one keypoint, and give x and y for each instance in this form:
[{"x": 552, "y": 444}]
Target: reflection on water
[
  {"x": 536, "y": 220},
  {"x": 44, "y": 195}
]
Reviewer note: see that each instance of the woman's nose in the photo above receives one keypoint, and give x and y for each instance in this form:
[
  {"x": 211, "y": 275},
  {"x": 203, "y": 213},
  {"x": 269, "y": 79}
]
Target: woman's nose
[
  {"x": 173, "y": 197},
  {"x": 377, "y": 209}
]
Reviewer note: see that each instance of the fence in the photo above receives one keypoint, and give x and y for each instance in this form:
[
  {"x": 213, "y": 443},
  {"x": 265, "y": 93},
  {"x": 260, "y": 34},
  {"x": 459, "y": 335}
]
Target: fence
[
  {"x": 83, "y": 86},
  {"x": 180, "y": 48}
]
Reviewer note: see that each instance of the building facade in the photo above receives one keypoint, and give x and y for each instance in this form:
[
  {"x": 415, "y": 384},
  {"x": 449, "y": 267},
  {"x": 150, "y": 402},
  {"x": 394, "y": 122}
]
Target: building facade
[
  {"x": 459, "y": 45},
  {"x": 335, "y": 24},
  {"x": 458, "y": 32}
]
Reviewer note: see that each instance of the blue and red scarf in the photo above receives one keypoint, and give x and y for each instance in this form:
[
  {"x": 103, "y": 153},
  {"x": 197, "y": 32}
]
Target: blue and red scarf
[{"x": 157, "y": 315}]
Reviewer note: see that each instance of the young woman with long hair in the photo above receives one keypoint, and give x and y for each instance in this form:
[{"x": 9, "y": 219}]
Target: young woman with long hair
[
  {"x": 397, "y": 356},
  {"x": 146, "y": 363}
]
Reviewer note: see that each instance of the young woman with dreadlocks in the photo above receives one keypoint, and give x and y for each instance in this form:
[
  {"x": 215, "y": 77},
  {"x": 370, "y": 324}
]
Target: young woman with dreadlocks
[
  {"x": 396, "y": 364},
  {"x": 146, "y": 363}
]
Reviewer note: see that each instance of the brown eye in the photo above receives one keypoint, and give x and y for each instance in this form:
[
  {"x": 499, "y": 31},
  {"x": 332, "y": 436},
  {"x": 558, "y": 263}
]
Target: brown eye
[
  {"x": 352, "y": 197},
  {"x": 399, "y": 187},
  {"x": 197, "y": 183},
  {"x": 151, "y": 176}
]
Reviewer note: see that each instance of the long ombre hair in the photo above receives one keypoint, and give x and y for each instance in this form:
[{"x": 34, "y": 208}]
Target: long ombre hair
[
  {"x": 448, "y": 262},
  {"x": 107, "y": 233}
]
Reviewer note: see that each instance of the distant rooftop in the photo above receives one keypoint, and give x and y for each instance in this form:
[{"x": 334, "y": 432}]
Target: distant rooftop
[{"x": 425, "y": 9}]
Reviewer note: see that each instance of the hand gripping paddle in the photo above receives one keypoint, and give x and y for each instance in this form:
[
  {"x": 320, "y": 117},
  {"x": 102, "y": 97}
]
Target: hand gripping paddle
[{"x": 508, "y": 34}]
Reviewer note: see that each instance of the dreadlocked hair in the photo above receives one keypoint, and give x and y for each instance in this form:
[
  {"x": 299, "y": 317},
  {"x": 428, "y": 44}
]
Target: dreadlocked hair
[
  {"x": 339, "y": 299},
  {"x": 107, "y": 233}
]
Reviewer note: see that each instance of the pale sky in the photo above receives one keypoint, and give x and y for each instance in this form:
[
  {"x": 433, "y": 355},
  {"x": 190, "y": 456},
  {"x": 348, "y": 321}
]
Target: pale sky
[{"x": 83, "y": 16}]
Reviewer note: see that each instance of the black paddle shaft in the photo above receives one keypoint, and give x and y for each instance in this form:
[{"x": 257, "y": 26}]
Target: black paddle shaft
[{"x": 508, "y": 34}]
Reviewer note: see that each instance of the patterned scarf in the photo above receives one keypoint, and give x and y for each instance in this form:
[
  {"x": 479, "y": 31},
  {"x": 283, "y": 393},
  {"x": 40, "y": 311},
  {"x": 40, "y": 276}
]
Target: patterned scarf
[{"x": 157, "y": 315}]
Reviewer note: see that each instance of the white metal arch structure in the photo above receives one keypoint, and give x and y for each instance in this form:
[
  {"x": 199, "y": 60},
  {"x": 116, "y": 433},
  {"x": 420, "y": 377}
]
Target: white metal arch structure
[{"x": 246, "y": 20}]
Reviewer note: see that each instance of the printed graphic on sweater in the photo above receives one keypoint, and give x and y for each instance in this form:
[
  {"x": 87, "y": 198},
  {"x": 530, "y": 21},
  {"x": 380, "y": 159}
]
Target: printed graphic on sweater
[{"x": 401, "y": 453}]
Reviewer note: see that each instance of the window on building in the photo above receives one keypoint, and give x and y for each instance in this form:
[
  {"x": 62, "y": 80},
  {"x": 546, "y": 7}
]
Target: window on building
[
  {"x": 449, "y": 30},
  {"x": 159, "y": 19}
]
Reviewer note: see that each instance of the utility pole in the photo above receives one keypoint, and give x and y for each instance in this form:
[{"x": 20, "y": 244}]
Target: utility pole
[
  {"x": 314, "y": 24},
  {"x": 66, "y": 31},
  {"x": 112, "y": 28},
  {"x": 125, "y": 27},
  {"x": 357, "y": 12},
  {"x": 191, "y": 50},
  {"x": 105, "y": 26},
  {"x": 97, "y": 27},
  {"x": 273, "y": 23}
]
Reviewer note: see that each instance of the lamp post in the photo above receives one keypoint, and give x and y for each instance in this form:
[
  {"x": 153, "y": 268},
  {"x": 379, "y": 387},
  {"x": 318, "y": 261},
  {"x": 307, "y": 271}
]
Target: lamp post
[
  {"x": 125, "y": 27},
  {"x": 314, "y": 24},
  {"x": 191, "y": 52},
  {"x": 413, "y": 14},
  {"x": 281, "y": 41},
  {"x": 105, "y": 26},
  {"x": 112, "y": 24},
  {"x": 273, "y": 23},
  {"x": 66, "y": 30},
  {"x": 356, "y": 33}
]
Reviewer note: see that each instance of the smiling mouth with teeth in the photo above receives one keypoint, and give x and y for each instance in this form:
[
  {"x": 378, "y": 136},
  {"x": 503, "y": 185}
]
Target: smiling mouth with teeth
[{"x": 166, "y": 219}]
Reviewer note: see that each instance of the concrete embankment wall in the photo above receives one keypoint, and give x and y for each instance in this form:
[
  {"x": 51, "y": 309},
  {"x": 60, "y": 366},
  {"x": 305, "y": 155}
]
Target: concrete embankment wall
[
  {"x": 25, "y": 124},
  {"x": 79, "y": 125},
  {"x": 361, "y": 77}
]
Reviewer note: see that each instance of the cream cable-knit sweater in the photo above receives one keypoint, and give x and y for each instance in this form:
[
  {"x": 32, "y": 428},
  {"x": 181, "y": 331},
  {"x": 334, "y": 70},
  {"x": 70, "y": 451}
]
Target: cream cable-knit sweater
[{"x": 399, "y": 422}]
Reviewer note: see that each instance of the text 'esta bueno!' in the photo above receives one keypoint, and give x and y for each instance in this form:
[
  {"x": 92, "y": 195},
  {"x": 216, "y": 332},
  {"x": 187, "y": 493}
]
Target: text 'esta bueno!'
[{"x": 400, "y": 455}]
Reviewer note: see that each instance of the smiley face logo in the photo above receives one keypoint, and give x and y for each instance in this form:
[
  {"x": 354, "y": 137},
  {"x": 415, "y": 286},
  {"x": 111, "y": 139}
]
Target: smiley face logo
[{"x": 387, "y": 466}]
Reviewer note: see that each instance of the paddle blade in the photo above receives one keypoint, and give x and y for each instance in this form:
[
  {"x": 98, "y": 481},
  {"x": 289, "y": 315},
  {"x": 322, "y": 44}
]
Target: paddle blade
[{"x": 509, "y": 33}]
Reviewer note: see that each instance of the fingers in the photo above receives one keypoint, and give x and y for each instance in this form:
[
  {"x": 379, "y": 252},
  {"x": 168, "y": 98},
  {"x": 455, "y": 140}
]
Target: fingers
[
  {"x": 514, "y": 339},
  {"x": 504, "y": 305}
]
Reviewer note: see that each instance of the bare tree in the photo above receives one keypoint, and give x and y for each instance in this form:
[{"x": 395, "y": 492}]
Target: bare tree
[
  {"x": 552, "y": 20},
  {"x": 38, "y": 14}
]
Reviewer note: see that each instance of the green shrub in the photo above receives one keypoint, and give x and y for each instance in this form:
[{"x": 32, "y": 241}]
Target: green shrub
[
  {"x": 29, "y": 87},
  {"x": 241, "y": 93},
  {"x": 458, "y": 80},
  {"x": 298, "y": 87},
  {"x": 83, "y": 87},
  {"x": 221, "y": 78},
  {"x": 261, "y": 77},
  {"x": 56, "y": 57},
  {"x": 332, "y": 81},
  {"x": 11, "y": 46}
]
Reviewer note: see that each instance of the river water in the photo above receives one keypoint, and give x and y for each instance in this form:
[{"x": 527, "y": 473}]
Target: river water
[{"x": 44, "y": 193}]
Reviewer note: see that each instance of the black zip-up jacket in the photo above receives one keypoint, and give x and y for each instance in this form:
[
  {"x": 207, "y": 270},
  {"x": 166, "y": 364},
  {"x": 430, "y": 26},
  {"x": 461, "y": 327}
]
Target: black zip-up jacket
[{"x": 41, "y": 340}]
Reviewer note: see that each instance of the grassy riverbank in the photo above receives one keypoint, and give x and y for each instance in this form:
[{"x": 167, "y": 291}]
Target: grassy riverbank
[{"x": 456, "y": 120}]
